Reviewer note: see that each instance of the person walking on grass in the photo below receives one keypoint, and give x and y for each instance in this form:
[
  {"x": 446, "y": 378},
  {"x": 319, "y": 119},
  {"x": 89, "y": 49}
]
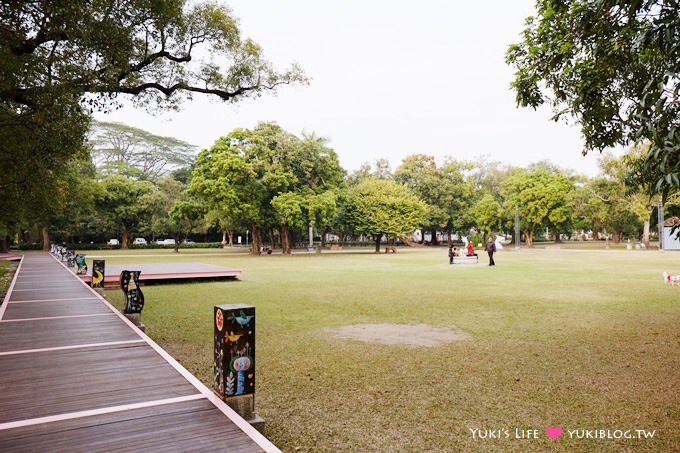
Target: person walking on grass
[{"x": 490, "y": 249}]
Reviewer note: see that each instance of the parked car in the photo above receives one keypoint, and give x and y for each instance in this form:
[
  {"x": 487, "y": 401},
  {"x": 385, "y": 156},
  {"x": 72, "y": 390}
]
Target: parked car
[
  {"x": 113, "y": 242},
  {"x": 139, "y": 241},
  {"x": 188, "y": 241},
  {"x": 165, "y": 242}
]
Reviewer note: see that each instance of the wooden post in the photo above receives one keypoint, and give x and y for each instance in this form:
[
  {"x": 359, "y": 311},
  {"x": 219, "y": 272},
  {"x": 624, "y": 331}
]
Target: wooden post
[{"x": 234, "y": 359}]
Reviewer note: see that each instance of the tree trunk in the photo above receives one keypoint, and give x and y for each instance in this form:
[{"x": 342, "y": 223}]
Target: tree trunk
[
  {"x": 285, "y": 240},
  {"x": 126, "y": 237},
  {"x": 323, "y": 239},
  {"x": 230, "y": 233},
  {"x": 224, "y": 238},
  {"x": 645, "y": 234},
  {"x": 378, "y": 239},
  {"x": 45, "y": 239},
  {"x": 257, "y": 239},
  {"x": 4, "y": 245},
  {"x": 529, "y": 237}
]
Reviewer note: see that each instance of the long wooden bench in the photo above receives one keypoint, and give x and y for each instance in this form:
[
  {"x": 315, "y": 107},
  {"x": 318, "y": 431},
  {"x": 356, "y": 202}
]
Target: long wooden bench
[{"x": 465, "y": 259}]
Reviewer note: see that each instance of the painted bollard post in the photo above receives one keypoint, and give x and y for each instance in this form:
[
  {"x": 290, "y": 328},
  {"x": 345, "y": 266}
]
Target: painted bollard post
[
  {"x": 134, "y": 298},
  {"x": 98, "y": 273},
  {"x": 234, "y": 359},
  {"x": 81, "y": 263}
]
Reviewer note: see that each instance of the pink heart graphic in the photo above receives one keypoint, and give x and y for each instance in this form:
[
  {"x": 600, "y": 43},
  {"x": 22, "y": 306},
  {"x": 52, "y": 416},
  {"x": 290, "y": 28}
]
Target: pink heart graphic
[{"x": 553, "y": 432}]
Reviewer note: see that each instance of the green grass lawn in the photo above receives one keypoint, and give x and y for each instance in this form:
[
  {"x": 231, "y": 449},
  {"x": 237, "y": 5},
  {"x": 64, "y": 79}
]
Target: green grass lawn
[
  {"x": 583, "y": 340},
  {"x": 6, "y": 274}
]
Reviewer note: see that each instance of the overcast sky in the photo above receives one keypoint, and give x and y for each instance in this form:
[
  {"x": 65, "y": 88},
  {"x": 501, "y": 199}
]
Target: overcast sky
[{"x": 389, "y": 79}]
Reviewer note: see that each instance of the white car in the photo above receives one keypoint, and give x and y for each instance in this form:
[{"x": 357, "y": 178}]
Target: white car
[
  {"x": 139, "y": 241},
  {"x": 165, "y": 242},
  {"x": 113, "y": 242}
]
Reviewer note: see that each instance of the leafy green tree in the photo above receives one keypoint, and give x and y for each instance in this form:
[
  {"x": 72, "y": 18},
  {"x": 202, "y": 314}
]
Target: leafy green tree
[
  {"x": 379, "y": 207},
  {"x": 228, "y": 183},
  {"x": 540, "y": 196},
  {"x": 488, "y": 213},
  {"x": 614, "y": 66},
  {"x": 145, "y": 49},
  {"x": 37, "y": 152},
  {"x": 121, "y": 149},
  {"x": 243, "y": 173},
  {"x": 638, "y": 201},
  {"x": 61, "y": 60},
  {"x": 288, "y": 207},
  {"x": 603, "y": 201},
  {"x": 419, "y": 173},
  {"x": 458, "y": 195},
  {"x": 380, "y": 169},
  {"x": 119, "y": 201},
  {"x": 72, "y": 215},
  {"x": 186, "y": 215}
]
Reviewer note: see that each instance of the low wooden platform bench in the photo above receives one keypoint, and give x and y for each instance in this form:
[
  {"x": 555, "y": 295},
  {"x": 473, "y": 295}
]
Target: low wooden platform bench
[
  {"x": 390, "y": 248},
  {"x": 464, "y": 259}
]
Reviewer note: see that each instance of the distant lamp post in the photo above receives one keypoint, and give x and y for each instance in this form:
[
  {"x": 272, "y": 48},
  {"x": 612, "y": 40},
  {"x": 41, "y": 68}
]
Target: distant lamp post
[
  {"x": 247, "y": 236},
  {"x": 661, "y": 216},
  {"x": 517, "y": 232}
]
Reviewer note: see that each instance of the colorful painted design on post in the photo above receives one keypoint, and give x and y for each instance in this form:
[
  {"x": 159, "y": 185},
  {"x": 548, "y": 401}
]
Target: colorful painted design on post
[
  {"x": 134, "y": 298},
  {"x": 82, "y": 265},
  {"x": 98, "y": 273},
  {"x": 234, "y": 343}
]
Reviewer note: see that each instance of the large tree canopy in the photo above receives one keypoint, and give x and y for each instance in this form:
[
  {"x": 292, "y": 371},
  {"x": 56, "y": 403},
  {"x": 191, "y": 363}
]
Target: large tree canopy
[
  {"x": 540, "y": 195},
  {"x": 384, "y": 207},
  {"x": 138, "y": 47},
  {"x": 614, "y": 66},
  {"x": 266, "y": 177},
  {"x": 61, "y": 60},
  {"x": 122, "y": 149}
]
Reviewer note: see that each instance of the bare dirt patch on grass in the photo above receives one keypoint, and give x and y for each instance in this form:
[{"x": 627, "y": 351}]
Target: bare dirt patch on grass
[{"x": 400, "y": 334}]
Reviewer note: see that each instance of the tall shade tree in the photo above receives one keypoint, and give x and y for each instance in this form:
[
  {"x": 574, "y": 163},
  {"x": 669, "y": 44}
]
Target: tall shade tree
[
  {"x": 245, "y": 171},
  {"x": 603, "y": 204},
  {"x": 419, "y": 173},
  {"x": 458, "y": 195},
  {"x": 171, "y": 210},
  {"x": 380, "y": 169},
  {"x": 37, "y": 150},
  {"x": 382, "y": 207},
  {"x": 637, "y": 200},
  {"x": 60, "y": 60},
  {"x": 186, "y": 216},
  {"x": 121, "y": 149},
  {"x": 119, "y": 201},
  {"x": 289, "y": 212},
  {"x": 150, "y": 50},
  {"x": 538, "y": 194},
  {"x": 488, "y": 213},
  {"x": 614, "y": 66}
]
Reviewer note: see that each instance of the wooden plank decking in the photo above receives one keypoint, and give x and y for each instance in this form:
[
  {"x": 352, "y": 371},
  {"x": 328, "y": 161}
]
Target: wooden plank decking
[{"x": 75, "y": 375}]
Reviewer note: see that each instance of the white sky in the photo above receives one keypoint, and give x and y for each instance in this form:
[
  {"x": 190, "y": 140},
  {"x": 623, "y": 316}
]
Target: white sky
[{"x": 389, "y": 79}]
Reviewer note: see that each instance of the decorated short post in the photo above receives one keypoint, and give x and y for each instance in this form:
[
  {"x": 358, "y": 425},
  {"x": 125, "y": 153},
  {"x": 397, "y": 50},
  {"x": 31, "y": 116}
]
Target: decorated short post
[
  {"x": 234, "y": 359},
  {"x": 98, "y": 273},
  {"x": 81, "y": 263},
  {"x": 134, "y": 298}
]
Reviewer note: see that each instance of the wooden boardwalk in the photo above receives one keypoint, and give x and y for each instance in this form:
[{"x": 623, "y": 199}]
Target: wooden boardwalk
[{"x": 76, "y": 376}]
